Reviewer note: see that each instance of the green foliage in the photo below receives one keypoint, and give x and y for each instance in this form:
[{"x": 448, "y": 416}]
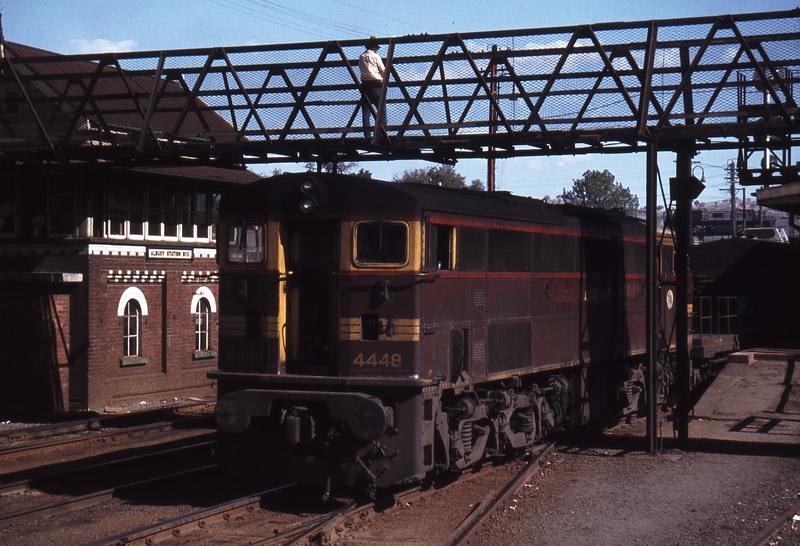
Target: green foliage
[
  {"x": 598, "y": 190},
  {"x": 441, "y": 175},
  {"x": 341, "y": 167}
]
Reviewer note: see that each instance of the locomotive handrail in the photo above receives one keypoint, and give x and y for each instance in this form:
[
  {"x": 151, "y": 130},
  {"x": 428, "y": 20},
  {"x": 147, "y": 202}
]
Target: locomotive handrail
[{"x": 718, "y": 82}]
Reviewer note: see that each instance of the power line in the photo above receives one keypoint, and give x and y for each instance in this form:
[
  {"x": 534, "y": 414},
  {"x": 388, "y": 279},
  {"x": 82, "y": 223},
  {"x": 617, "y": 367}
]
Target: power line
[
  {"x": 383, "y": 16},
  {"x": 288, "y": 17},
  {"x": 228, "y": 4},
  {"x": 325, "y": 22}
]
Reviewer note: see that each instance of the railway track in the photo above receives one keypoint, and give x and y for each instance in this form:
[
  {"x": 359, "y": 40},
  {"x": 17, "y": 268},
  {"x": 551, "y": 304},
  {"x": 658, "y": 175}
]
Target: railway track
[
  {"x": 45, "y": 451},
  {"x": 77, "y": 464},
  {"x": 14, "y": 440},
  {"x": 182, "y": 525},
  {"x": 85, "y": 485},
  {"x": 328, "y": 530},
  {"x": 210, "y": 524},
  {"x": 102, "y": 436},
  {"x": 492, "y": 501}
]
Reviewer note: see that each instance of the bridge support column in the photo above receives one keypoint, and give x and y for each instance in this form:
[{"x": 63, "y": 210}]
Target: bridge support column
[{"x": 684, "y": 188}]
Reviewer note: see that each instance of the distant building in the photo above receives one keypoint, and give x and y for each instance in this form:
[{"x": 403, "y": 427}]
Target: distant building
[{"x": 108, "y": 275}]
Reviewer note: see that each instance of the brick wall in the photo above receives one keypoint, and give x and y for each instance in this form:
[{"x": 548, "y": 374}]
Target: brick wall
[
  {"x": 41, "y": 332},
  {"x": 171, "y": 368}
]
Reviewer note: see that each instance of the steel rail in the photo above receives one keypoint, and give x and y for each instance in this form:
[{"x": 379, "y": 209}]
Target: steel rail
[
  {"x": 45, "y": 476},
  {"x": 487, "y": 507},
  {"x": 323, "y": 530},
  {"x": 763, "y": 537},
  {"x": 89, "y": 499},
  {"x": 316, "y": 530},
  {"x": 92, "y": 423},
  {"x": 34, "y": 445},
  {"x": 97, "y": 422}
]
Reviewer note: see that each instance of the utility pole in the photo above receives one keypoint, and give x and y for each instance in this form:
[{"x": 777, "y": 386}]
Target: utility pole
[
  {"x": 744, "y": 209},
  {"x": 732, "y": 178},
  {"x": 490, "y": 167}
]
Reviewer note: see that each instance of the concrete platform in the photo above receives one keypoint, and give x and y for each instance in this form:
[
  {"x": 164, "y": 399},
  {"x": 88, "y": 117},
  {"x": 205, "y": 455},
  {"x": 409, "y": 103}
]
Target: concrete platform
[{"x": 756, "y": 398}]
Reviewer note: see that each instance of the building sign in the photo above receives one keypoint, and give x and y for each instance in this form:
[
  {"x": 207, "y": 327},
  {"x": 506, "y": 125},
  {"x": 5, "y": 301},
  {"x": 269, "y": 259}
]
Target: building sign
[{"x": 169, "y": 253}]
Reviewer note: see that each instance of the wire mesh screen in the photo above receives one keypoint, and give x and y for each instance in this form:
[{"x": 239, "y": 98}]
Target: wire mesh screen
[{"x": 611, "y": 84}]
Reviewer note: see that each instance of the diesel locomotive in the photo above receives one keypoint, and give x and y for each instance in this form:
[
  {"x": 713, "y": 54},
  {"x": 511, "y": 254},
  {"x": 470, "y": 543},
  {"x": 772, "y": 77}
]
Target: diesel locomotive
[{"x": 372, "y": 333}]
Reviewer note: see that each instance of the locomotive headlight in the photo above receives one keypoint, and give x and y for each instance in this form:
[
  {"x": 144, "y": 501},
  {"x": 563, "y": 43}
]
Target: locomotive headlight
[
  {"x": 312, "y": 194},
  {"x": 307, "y": 186},
  {"x": 308, "y": 205}
]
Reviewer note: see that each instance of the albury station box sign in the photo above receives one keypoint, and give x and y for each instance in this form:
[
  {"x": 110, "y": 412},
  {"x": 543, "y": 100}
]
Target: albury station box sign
[{"x": 169, "y": 253}]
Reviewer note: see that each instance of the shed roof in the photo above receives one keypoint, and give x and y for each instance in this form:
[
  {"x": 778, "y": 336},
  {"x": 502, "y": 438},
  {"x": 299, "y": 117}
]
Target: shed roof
[{"x": 139, "y": 85}]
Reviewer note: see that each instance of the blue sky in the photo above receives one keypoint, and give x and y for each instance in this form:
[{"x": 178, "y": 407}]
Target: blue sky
[{"x": 83, "y": 26}]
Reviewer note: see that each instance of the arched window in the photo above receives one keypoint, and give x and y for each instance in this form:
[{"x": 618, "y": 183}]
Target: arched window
[
  {"x": 132, "y": 329},
  {"x": 132, "y": 307},
  {"x": 202, "y": 325},
  {"x": 203, "y": 306}
]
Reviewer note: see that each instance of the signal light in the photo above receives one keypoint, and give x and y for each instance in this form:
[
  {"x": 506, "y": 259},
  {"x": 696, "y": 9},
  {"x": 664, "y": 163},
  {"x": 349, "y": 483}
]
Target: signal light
[
  {"x": 307, "y": 186},
  {"x": 312, "y": 195},
  {"x": 308, "y": 205}
]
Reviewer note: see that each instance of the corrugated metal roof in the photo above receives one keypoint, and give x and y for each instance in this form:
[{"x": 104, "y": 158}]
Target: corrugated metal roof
[
  {"x": 139, "y": 85},
  {"x": 218, "y": 174}
]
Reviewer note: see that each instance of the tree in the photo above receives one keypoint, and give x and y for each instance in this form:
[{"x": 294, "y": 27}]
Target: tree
[
  {"x": 598, "y": 190},
  {"x": 441, "y": 175},
  {"x": 341, "y": 167}
]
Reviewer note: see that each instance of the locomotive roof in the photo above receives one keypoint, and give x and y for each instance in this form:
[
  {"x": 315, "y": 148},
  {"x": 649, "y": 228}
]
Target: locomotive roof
[{"x": 363, "y": 196}]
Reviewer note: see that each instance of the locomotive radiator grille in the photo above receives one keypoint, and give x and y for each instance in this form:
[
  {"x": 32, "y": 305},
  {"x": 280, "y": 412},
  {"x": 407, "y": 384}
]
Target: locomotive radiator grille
[
  {"x": 479, "y": 351},
  {"x": 237, "y": 326}
]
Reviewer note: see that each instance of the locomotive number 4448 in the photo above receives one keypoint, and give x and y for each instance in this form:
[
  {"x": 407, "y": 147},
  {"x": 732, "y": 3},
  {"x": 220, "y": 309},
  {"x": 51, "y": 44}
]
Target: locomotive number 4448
[{"x": 393, "y": 360}]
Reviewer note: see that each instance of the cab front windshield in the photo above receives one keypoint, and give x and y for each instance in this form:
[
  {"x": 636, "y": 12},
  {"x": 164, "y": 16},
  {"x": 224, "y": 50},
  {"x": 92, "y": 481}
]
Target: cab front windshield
[
  {"x": 245, "y": 243},
  {"x": 381, "y": 243}
]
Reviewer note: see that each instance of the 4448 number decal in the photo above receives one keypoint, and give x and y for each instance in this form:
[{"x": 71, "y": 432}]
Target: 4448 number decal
[{"x": 393, "y": 360}]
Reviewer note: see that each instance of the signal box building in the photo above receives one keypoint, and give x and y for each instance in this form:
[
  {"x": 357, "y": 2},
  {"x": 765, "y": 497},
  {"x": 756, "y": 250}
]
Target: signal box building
[
  {"x": 108, "y": 280},
  {"x": 108, "y": 277}
]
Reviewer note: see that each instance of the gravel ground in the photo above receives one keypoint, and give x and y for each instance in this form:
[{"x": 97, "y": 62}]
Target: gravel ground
[
  {"x": 607, "y": 497},
  {"x": 602, "y": 489}
]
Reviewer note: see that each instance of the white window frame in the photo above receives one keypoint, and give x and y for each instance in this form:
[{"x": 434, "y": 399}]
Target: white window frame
[
  {"x": 132, "y": 293},
  {"x": 203, "y": 294},
  {"x": 132, "y": 316}
]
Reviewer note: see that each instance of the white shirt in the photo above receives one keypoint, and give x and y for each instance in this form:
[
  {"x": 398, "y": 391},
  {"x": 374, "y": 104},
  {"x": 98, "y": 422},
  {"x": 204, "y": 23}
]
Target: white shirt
[{"x": 371, "y": 66}]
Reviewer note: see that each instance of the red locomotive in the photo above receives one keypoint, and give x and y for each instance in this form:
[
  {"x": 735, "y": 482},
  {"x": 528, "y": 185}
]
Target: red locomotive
[{"x": 372, "y": 333}]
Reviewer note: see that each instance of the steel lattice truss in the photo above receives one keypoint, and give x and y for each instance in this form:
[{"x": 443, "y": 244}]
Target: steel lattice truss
[{"x": 724, "y": 82}]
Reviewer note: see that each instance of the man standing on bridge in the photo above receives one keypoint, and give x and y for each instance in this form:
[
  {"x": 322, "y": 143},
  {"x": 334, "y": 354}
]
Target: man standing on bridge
[{"x": 372, "y": 71}]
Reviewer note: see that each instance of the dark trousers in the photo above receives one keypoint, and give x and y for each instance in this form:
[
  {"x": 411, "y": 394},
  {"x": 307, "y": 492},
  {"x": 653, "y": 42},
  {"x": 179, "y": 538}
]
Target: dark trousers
[{"x": 371, "y": 94}]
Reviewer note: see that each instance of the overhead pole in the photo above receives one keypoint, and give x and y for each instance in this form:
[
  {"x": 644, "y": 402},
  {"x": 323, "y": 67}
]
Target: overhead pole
[
  {"x": 684, "y": 188},
  {"x": 651, "y": 293},
  {"x": 651, "y": 222}
]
